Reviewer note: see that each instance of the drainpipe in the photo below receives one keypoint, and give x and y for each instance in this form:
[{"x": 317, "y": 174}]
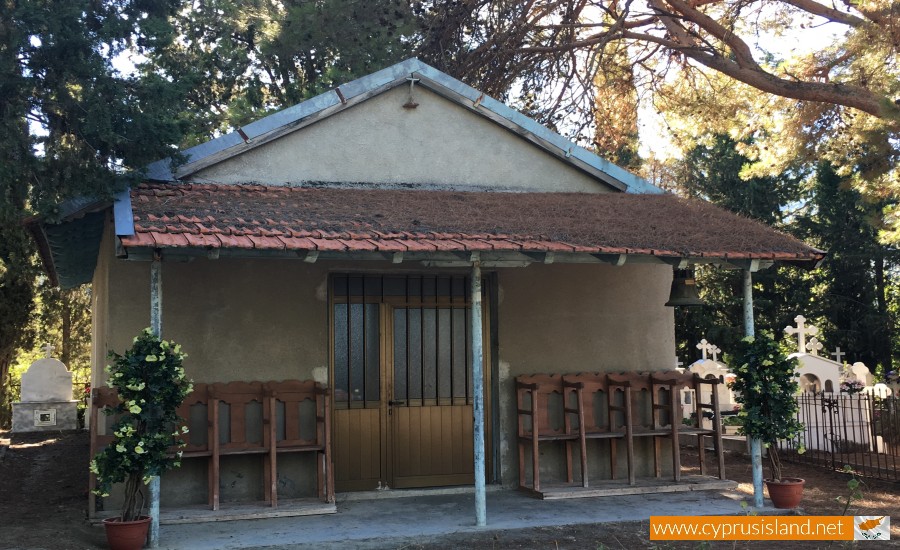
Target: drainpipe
[
  {"x": 755, "y": 443},
  {"x": 478, "y": 396},
  {"x": 156, "y": 327}
]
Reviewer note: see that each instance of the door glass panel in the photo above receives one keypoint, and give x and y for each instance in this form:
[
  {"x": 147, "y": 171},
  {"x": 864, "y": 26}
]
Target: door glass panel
[
  {"x": 431, "y": 354},
  {"x": 341, "y": 354},
  {"x": 414, "y": 353},
  {"x": 444, "y": 374},
  {"x": 357, "y": 352},
  {"x": 373, "y": 354},
  {"x": 460, "y": 338},
  {"x": 357, "y": 358},
  {"x": 401, "y": 354}
]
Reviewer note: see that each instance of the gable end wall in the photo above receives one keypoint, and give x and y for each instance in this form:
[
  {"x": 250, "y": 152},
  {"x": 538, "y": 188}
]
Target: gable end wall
[{"x": 378, "y": 141}]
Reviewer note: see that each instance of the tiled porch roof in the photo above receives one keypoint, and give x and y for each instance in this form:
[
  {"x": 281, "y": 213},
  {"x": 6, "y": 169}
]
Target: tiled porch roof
[{"x": 335, "y": 219}]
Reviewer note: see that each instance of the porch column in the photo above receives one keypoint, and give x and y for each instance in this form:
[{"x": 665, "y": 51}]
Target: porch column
[
  {"x": 156, "y": 327},
  {"x": 755, "y": 444},
  {"x": 478, "y": 396}
]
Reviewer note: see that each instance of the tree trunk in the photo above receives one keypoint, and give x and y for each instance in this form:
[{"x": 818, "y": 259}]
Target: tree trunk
[
  {"x": 66, "y": 314},
  {"x": 884, "y": 333}
]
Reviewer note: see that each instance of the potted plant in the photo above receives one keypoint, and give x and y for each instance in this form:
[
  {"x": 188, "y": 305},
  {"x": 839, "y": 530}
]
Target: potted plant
[
  {"x": 151, "y": 384},
  {"x": 766, "y": 385}
]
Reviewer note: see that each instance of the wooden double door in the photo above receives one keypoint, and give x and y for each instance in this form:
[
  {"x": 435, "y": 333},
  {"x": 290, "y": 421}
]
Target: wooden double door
[{"x": 401, "y": 373}]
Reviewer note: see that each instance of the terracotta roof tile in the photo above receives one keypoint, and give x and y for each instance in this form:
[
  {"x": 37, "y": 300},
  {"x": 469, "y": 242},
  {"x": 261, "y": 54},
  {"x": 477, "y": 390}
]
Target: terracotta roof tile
[
  {"x": 391, "y": 220},
  {"x": 417, "y": 245}
]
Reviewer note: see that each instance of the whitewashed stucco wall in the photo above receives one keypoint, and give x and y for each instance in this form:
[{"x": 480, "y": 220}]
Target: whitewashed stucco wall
[{"x": 379, "y": 141}]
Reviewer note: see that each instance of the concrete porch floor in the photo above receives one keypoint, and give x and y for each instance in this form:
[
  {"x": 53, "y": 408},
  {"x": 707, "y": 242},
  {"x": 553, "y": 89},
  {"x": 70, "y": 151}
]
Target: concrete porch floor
[{"x": 392, "y": 519}]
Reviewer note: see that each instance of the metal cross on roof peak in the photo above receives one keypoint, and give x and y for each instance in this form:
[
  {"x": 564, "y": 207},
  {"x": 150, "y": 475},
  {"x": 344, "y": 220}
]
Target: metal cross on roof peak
[
  {"x": 411, "y": 102},
  {"x": 814, "y": 346},
  {"x": 801, "y": 330},
  {"x": 48, "y": 349}
]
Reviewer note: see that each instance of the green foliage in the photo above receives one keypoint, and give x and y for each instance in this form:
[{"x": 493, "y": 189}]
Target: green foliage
[
  {"x": 243, "y": 59},
  {"x": 853, "y": 308},
  {"x": 854, "y": 488},
  {"x": 71, "y": 125},
  {"x": 852, "y": 297},
  {"x": 732, "y": 421},
  {"x": 711, "y": 171},
  {"x": 765, "y": 383},
  {"x": 63, "y": 319},
  {"x": 151, "y": 384}
]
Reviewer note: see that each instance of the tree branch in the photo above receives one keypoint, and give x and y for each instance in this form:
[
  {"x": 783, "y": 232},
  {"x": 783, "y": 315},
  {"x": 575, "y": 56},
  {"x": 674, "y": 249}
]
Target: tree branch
[
  {"x": 738, "y": 47},
  {"x": 831, "y": 14},
  {"x": 839, "y": 94}
]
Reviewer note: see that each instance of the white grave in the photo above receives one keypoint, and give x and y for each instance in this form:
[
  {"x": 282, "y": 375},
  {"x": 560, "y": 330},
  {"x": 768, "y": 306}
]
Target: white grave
[
  {"x": 709, "y": 368},
  {"x": 880, "y": 390},
  {"x": 817, "y": 373},
  {"x": 46, "y": 398},
  {"x": 835, "y": 420},
  {"x": 859, "y": 371}
]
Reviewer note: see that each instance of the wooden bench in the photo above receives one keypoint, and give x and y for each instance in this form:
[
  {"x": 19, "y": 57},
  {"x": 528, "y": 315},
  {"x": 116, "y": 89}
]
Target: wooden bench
[
  {"x": 587, "y": 388},
  {"x": 281, "y": 429},
  {"x": 636, "y": 405},
  {"x": 536, "y": 391},
  {"x": 696, "y": 382},
  {"x": 666, "y": 415},
  {"x": 293, "y": 395}
]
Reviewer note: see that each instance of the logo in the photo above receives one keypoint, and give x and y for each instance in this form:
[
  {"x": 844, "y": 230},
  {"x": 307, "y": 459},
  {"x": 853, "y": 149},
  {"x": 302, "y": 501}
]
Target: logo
[{"x": 871, "y": 527}]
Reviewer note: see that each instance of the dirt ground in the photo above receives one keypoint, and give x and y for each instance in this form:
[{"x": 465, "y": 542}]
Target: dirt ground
[{"x": 43, "y": 499}]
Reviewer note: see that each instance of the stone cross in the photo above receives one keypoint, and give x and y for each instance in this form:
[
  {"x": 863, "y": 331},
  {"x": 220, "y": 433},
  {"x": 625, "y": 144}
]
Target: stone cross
[
  {"x": 801, "y": 330},
  {"x": 715, "y": 351},
  {"x": 48, "y": 349},
  {"x": 678, "y": 364},
  {"x": 705, "y": 347},
  {"x": 814, "y": 346},
  {"x": 838, "y": 354}
]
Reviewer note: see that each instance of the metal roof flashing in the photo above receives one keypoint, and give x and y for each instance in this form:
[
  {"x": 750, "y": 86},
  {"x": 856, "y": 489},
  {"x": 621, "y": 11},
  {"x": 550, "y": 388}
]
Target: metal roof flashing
[{"x": 347, "y": 95}]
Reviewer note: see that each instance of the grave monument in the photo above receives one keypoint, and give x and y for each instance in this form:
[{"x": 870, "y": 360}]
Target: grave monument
[{"x": 46, "y": 398}]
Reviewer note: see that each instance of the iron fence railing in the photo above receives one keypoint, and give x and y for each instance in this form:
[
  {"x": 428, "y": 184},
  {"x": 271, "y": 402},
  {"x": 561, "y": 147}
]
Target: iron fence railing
[{"x": 861, "y": 431}]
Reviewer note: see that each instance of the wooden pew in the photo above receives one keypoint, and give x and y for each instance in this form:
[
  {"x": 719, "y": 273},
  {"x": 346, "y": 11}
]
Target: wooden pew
[
  {"x": 231, "y": 400},
  {"x": 586, "y": 388},
  {"x": 293, "y": 394},
  {"x": 236, "y": 398},
  {"x": 537, "y": 390}
]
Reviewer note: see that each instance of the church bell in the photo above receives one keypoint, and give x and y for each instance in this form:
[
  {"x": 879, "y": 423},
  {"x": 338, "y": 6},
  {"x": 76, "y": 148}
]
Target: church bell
[{"x": 684, "y": 290}]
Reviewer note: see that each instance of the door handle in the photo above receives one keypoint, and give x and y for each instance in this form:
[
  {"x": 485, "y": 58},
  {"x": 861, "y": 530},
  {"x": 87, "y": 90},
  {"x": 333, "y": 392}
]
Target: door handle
[{"x": 393, "y": 403}]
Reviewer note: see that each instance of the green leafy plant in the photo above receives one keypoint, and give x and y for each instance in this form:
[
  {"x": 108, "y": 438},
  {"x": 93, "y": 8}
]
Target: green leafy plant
[
  {"x": 767, "y": 384},
  {"x": 732, "y": 420},
  {"x": 854, "y": 490},
  {"x": 151, "y": 384}
]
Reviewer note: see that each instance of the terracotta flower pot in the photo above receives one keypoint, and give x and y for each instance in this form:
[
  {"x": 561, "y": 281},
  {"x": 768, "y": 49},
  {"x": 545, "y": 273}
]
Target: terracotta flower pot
[
  {"x": 786, "y": 493},
  {"x": 126, "y": 535}
]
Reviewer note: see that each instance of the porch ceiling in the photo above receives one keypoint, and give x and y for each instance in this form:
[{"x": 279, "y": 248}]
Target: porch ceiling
[{"x": 342, "y": 221}]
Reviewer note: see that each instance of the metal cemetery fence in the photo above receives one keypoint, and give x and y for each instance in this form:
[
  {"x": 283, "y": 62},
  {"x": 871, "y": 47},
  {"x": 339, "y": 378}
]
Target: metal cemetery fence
[{"x": 861, "y": 431}]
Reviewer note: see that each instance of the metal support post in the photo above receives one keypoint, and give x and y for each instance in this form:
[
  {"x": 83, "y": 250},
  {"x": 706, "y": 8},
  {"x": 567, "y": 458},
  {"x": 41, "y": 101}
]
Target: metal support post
[
  {"x": 478, "y": 397},
  {"x": 156, "y": 327},
  {"x": 755, "y": 444}
]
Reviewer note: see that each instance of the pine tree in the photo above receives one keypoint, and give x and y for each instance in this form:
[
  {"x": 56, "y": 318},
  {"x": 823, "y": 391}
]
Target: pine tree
[
  {"x": 851, "y": 302},
  {"x": 712, "y": 172},
  {"x": 71, "y": 124}
]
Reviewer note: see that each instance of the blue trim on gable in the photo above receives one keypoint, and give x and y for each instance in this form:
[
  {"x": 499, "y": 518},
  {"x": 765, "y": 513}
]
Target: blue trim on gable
[
  {"x": 163, "y": 171},
  {"x": 634, "y": 183},
  {"x": 123, "y": 215}
]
